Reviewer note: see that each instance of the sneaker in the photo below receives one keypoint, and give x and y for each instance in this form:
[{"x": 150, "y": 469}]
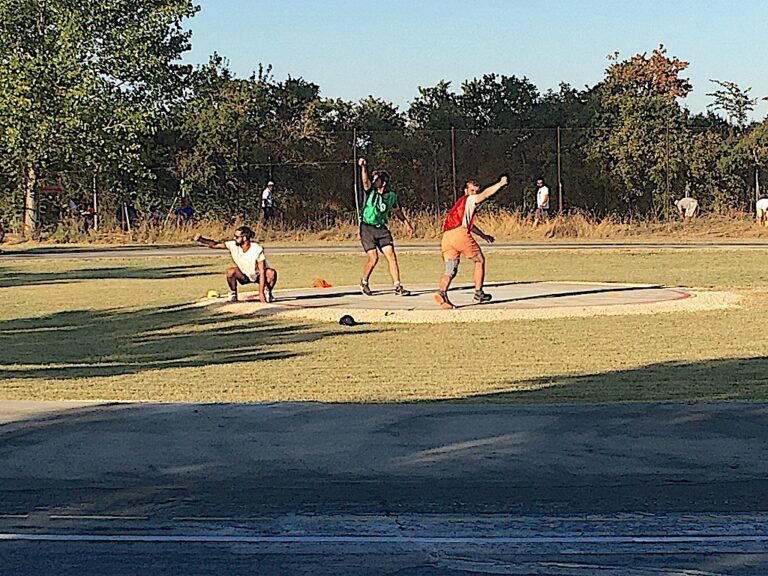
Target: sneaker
[
  {"x": 442, "y": 299},
  {"x": 400, "y": 291},
  {"x": 365, "y": 289},
  {"x": 270, "y": 297},
  {"x": 232, "y": 298},
  {"x": 482, "y": 297}
]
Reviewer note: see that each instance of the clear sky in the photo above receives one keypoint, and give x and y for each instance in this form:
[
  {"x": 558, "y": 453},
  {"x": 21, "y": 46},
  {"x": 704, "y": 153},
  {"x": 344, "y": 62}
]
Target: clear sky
[{"x": 388, "y": 48}]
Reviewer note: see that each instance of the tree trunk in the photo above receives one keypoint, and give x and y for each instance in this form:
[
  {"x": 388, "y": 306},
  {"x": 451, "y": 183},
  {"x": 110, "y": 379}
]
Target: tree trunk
[{"x": 30, "y": 203}]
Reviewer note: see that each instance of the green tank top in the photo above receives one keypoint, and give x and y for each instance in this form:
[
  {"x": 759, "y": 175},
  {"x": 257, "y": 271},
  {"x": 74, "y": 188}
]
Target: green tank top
[{"x": 378, "y": 207}]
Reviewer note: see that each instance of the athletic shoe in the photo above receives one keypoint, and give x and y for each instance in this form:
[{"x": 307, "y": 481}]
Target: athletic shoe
[
  {"x": 365, "y": 289},
  {"x": 270, "y": 297},
  {"x": 442, "y": 299},
  {"x": 232, "y": 298},
  {"x": 400, "y": 291},
  {"x": 482, "y": 297}
]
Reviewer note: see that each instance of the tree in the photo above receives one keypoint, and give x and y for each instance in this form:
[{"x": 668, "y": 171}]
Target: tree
[
  {"x": 82, "y": 84},
  {"x": 639, "y": 132},
  {"x": 733, "y": 101}
]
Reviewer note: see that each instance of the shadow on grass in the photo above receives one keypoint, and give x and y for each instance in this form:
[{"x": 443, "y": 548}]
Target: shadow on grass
[
  {"x": 87, "y": 343},
  {"x": 10, "y": 277},
  {"x": 706, "y": 381}
]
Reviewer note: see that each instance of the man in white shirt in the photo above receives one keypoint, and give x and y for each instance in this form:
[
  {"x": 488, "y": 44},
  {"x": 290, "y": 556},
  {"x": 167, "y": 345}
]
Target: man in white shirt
[
  {"x": 542, "y": 200},
  {"x": 251, "y": 265},
  {"x": 266, "y": 201},
  {"x": 762, "y": 211},
  {"x": 687, "y": 208}
]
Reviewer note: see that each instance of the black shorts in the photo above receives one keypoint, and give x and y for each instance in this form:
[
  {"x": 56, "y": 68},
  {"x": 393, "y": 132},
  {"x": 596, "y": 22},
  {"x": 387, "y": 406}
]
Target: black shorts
[{"x": 373, "y": 237}]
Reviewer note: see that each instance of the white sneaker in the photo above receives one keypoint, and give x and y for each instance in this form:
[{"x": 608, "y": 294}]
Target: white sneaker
[{"x": 232, "y": 298}]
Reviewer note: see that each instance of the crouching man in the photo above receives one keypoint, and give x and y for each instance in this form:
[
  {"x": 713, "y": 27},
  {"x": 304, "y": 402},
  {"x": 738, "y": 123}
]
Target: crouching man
[{"x": 250, "y": 267}]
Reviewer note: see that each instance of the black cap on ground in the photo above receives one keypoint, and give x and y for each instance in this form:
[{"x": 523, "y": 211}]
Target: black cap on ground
[{"x": 347, "y": 320}]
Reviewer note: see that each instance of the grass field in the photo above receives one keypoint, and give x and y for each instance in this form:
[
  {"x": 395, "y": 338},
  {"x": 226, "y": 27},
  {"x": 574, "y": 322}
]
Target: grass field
[{"x": 124, "y": 329}]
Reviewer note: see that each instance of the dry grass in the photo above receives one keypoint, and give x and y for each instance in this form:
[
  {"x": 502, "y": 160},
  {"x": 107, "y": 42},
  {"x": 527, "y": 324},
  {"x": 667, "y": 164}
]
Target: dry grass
[
  {"x": 505, "y": 226},
  {"x": 120, "y": 329}
]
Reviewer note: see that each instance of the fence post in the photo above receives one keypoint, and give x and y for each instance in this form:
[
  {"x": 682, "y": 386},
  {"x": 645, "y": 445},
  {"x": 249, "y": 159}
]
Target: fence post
[
  {"x": 559, "y": 176},
  {"x": 437, "y": 192},
  {"x": 453, "y": 161},
  {"x": 354, "y": 170},
  {"x": 95, "y": 206},
  {"x": 668, "y": 198}
]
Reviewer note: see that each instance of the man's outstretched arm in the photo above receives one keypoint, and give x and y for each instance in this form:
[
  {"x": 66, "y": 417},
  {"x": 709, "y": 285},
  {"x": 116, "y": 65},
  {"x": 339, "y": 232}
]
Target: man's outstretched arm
[
  {"x": 492, "y": 189},
  {"x": 208, "y": 242}
]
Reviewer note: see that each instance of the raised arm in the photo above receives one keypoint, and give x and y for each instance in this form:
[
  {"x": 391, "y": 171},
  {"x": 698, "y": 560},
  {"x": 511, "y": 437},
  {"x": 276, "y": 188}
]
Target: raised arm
[
  {"x": 492, "y": 189},
  {"x": 209, "y": 243},
  {"x": 364, "y": 174}
]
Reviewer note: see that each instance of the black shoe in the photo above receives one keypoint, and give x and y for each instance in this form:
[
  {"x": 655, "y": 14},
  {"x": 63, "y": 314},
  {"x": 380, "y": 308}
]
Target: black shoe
[
  {"x": 365, "y": 289},
  {"x": 482, "y": 297},
  {"x": 400, "y": 291}
]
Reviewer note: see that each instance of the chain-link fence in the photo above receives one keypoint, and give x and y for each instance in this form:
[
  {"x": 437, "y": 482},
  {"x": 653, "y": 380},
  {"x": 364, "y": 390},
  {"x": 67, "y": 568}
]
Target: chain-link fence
[{"x": 599, "y": 172}]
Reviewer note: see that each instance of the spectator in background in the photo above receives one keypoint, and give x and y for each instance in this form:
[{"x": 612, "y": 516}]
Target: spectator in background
[
  {"x": 185, "y": 211},
  {"x": 687, "y": 208},
  {"x": 542, "y": 200},
  {"x": 89, "y": 217},
  {"x": 761, "y": 207},
  {"x": 155, "y": 215},
  {"x": 126, "y": 214},
  {"x": 266, "y": 201}
]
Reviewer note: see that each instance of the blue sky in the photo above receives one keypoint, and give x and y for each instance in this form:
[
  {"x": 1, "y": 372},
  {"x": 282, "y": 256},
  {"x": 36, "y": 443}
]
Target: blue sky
[{"x": 389, "y": 48}]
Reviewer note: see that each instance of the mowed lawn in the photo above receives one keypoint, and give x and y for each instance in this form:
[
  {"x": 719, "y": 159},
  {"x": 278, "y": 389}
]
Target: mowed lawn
[{"x": 125, "y": 329}]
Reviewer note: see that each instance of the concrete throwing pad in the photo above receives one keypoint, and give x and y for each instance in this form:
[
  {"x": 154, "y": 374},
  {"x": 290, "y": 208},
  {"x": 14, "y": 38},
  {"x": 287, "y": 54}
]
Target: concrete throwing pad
[{"x": 511, "y": 300}]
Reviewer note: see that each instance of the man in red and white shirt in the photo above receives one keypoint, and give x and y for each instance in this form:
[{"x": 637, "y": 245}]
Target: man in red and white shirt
[{"x": 458, "y": 240}]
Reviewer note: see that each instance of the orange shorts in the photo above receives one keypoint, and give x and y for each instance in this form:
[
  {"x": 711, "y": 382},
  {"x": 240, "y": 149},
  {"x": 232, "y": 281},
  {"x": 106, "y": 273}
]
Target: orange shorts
[{"x": 459, "y": 242}]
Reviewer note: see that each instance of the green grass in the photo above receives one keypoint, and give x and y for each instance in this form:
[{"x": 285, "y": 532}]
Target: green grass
[{"x": 124, "y": 329}]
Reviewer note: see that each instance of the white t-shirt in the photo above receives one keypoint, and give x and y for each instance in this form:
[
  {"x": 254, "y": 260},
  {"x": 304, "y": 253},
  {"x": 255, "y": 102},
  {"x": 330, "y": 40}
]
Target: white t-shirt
[
  {"x": 470, "y": 207},
  {"x": 762, "y": 205},
  {"x": 542, "y": 198},
  {"x": 247, "y": 261},
  {"x": 266, "y": 198}
]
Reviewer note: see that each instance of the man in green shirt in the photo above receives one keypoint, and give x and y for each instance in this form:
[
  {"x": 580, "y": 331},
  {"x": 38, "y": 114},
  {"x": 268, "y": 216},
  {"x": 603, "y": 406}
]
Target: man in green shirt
[{"x": 380, "y": 203}]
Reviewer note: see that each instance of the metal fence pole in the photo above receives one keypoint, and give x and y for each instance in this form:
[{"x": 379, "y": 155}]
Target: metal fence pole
[
  {"x": 354, "y": 170},
  {"x": 95, "y": 207},
  {"x": 559, "y": 176},
  {"x": 668, "y": 195},
  {"x": 453, "y": 161}
]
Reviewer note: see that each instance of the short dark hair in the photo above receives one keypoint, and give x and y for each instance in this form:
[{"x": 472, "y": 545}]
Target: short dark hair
[
  {"x": 246, "y": 231},
  {"x": 471, "y": 181},
  {"x": 383, "y": 174}
]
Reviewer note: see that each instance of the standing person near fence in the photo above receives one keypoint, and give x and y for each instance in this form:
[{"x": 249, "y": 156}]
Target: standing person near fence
[
  {"x": 380, "y": 202},
  {"x": 458, "y": 241},
  {"x": 542, "y": 200},
  {"x": 266, "y": 201}
]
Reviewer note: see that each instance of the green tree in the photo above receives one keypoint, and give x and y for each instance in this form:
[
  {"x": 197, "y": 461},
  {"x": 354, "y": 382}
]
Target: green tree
[
  {"x": 639, "y": 133},
  {"x": 82, "y": 84},
  {"x": 733, "y": 101}
]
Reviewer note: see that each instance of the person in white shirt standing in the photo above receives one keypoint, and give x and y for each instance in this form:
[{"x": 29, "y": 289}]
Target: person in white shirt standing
[
  {"x": 761, "y": 207},
  {"x": 266, "y": 201},
  {"x": 251, "y": 266},
  {"x": 542, "y": 200}
]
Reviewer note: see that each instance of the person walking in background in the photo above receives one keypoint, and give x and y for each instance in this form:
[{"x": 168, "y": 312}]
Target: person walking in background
[
  {"x": 185, "y": 211},
  {"x": 458, "y": 241},
  {"x": 251, "y": 264},
  {"x": 687, "y": 208},
  {"x": 542, "y": 201},
  {"x": 266, "y": 201},
  {"x": 380, "y": 202},
  {"x": 761, "y": 208}
]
